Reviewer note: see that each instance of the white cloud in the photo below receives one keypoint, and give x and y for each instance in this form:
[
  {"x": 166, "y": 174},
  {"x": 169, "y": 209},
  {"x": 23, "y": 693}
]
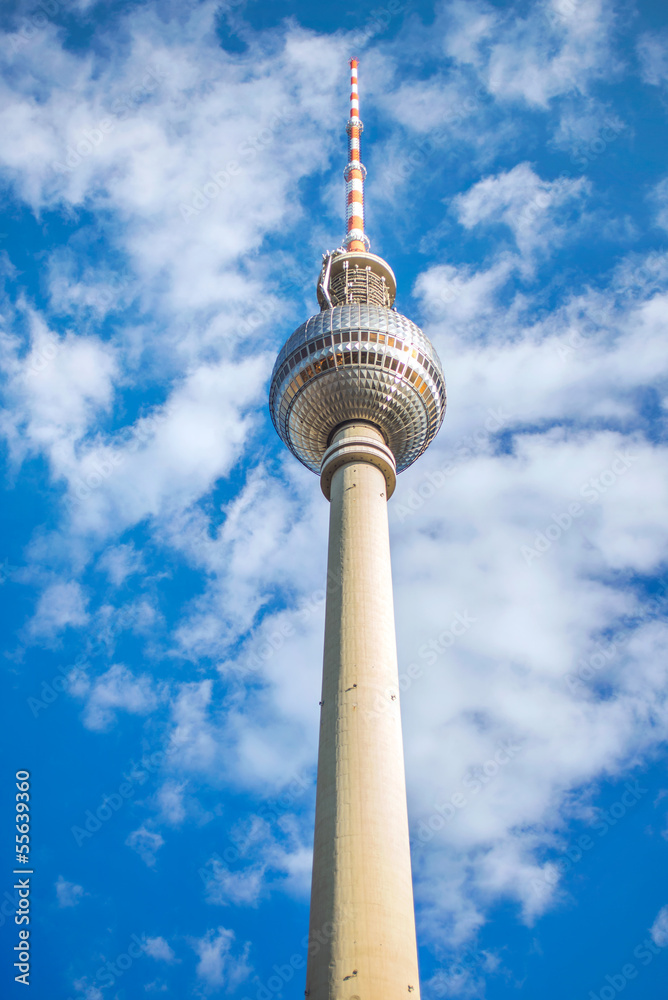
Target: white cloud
[
  {"x": 117, "y": 688},
  {"x": 120, "y": 562},
  {"x": 146, "y": 843},
  {"x": 89, "y": 990},
  {"x": 193, "y": 731},
  {"x": 218, "y": 967},
  {"x": 166, "y": 461},
  {"x": 117, "y": 123},
  {"x": 521, "y": 200},
  {"x": 560, "y": 47},
  {"x": 587, "y": 128},
  {"x": 463, "y": 293},
  {"x": 275, "y": 664},
  {"x": 652, "y": 51},
  {"x": 270, "y": 856},
  {"x": 660, "y": 199},
  {"x": 434, "y": 105},
  {"x": 159, "y": 949},
  {"x": 263, "y": 511},
  {"x": 61, "y": 605},
  {"x": 235, "y": 887},
  {"x": 659, "y": 929},
  {"x": 170, "y": 801},
  {"x": 68, "y": 893},
  {"x": 469, "y": 26},
  {"x": 465, "y": 978},
  {"x": 193, "y": 291},
  {"x": 57, "y": 390}
]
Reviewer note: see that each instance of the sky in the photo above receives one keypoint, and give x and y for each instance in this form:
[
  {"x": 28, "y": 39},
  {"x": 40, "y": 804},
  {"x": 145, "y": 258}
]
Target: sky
[{"x": 170, "y": 174}]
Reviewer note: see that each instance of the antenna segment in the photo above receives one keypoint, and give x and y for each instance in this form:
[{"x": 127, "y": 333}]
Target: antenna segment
[{"x": 355, "y": 173}]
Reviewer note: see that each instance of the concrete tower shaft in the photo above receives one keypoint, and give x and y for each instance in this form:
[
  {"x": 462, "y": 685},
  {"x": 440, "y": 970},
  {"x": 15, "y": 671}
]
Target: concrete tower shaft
[{"x": 362, "y": 894}]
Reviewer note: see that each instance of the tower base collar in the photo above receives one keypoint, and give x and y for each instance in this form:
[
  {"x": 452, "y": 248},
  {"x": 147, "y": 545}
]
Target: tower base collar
[{"x": 358, "y": 442}]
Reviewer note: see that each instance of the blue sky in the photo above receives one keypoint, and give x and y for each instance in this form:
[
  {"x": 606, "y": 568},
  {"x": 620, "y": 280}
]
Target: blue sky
[{"x": 171, "y": 173}]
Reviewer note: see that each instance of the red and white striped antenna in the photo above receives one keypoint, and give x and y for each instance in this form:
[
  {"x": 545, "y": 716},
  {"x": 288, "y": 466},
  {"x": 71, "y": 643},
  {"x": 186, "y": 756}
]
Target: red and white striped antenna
[{"x": 355, "y": 173}]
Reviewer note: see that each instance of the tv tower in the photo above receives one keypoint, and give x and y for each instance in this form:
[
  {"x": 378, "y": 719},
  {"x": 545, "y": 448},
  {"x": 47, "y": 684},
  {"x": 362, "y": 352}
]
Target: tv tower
[{"x": 357, "y": 394}]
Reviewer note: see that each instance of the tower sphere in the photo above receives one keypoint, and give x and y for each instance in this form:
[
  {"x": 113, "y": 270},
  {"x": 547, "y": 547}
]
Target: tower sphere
[{"x": 358, "y": 359}]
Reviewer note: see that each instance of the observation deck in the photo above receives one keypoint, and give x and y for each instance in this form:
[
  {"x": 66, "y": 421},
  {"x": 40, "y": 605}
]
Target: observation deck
[{"x": 358, "y": 359}]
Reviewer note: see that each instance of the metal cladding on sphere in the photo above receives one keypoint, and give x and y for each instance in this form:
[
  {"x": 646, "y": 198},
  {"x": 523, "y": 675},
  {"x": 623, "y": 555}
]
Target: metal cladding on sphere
[{"x": 358, "y": 361}]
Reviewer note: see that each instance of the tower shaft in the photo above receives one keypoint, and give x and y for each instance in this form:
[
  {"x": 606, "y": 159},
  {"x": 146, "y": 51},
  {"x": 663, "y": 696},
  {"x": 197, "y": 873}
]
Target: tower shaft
[{"x": 362, "y": 925}]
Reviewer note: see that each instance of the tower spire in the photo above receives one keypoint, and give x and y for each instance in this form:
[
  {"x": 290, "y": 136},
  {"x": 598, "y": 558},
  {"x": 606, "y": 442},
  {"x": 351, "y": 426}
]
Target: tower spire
[
  {"x": 351, "y": 273},
  {"x": 355, "y": 240}
]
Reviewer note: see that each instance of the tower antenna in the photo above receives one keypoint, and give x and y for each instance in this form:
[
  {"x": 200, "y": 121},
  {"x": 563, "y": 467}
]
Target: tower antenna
[{"x": 355, "y": 172}]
